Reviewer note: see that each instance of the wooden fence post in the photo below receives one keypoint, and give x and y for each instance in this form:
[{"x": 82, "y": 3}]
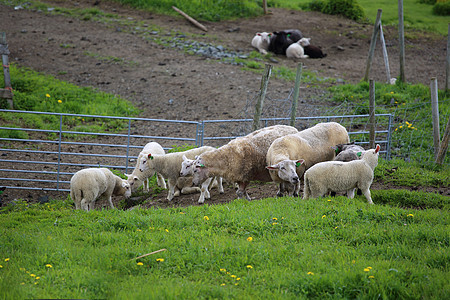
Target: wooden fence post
[
  {"x": 435, "y": 115},
  {"x": 447, "y": 69},
  {"x": 371, "y": 114},
  {"x": 401, "y": 41},
  {"x": 296, "y": 94},
  {"x": 373, "y": 43},
  {"x": 444, "y": 144},
  {"x": 265, "y": 6},
  {"x": 6, "y": 93},
  {"x": 262, "y": 95},
  {"x": 385, "y": 55}
]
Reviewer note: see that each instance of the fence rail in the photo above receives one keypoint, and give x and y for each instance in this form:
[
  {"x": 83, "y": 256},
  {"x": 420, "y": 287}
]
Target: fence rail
[{"x": 47, "y": 160}]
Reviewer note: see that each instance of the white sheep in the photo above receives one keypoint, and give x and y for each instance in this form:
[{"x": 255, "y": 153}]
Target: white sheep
[
  {"x": 289, "y": 156},
  {"x": 261, "y": 42},
  {"x": 187, "y": 169},
  {"x": 136, "y": 178},
  {"x": 338, "y": 176},
  {"x": 88, "y": 185},
  {"x": 241, "y": 160},
  {"x": 169, "y": 165},
  {"x": 295, "y": 50}
]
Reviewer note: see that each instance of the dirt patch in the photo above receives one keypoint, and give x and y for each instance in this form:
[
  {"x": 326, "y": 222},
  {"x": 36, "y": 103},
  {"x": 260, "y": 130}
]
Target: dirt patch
[{"x": 170, "y": 84}]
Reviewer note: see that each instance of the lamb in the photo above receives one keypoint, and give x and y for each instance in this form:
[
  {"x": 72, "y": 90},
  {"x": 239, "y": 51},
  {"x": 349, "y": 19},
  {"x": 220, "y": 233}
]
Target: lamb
[
  {"x": 340, "y": 176},
  {"x": 295, "y": 50},
  {"x": 314, "y": 52},
  {"x": 169, "y": 165},
  {"x": 241, "y": 160},
  {"x": 88, "y": 185},
  {"x": 261, "y": 42},
  {"x": 281, "y": 40},
  {"x": 348, "y": 152},
  {"x": 136, "y": 178},
  {"x": 288, "y": 157},
  {"x": 187, "y": 169}
]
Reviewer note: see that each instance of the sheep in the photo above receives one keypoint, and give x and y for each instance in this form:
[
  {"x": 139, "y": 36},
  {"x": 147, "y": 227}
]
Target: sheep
[
  {"x": 88, "y": 185},
  {"x": 187, "y": 169},
  {"x": 348, "y": 152},
  {"x": 261, "y": 42},
  {"x": 295, "y": 50},
  {"x": 288, "y": 157},
  {"x": 341, "y": 176},
  {"x": 169, "y": 165},
  {"x": 136, "y": 178},
  {"x": 281, "y": 40},
  {"x": 314, "y": 52},
  {"x": 241, "y": 160}
]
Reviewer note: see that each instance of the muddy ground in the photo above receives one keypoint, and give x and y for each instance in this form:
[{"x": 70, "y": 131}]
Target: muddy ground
[{"x": 200, "y": 88}]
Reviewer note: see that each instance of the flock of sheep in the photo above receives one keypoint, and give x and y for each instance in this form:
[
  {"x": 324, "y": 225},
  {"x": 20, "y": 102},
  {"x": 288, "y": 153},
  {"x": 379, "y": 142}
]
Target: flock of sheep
[
  {"x": 286, "y": 42},
  {"x": 322, "y": 156}
]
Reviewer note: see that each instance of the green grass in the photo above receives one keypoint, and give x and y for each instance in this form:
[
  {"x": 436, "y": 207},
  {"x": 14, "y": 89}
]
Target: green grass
[
  {"x": 37, "y": 92},
  {"x": 319, "y": 248}
]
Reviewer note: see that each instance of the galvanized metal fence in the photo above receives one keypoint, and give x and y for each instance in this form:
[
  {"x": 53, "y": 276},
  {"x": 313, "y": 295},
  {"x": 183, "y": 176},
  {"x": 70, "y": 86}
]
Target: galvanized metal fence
[{"x": 45, "y": 160}]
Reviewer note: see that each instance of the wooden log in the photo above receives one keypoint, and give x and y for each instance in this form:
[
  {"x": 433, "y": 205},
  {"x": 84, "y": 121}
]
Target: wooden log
[
  {"x": 296, "y": 94},
  {"x": 190, "y": 19},
  {"x": 151, "y": 253},
  {"x": 435, "y": 115},
  {"x": 385, "y": 55},
  {"x": 371, "y": 114},
  {"x": 401, "y": 41},
  {"x": 444, "y": 144},
  {"x": 373, "y": 42},
  {"x": 262, "y": 96}
]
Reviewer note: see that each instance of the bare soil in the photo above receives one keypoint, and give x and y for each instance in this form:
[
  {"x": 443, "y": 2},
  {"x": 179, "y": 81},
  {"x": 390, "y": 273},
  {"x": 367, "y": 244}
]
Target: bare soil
[{"x": 201, "y": 88}]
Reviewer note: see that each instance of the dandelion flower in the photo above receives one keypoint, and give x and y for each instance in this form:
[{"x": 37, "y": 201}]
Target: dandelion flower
[
  {"x": 1, "y": 266},
  {"x": 160, "y": 259},
  {"x": 59, "y": 101},
  {"x": 236, "y": 284},
  {"x": 47, "y": 95},
  {"x": 249, "y": 239},
  {"x": 222, "y": 284},
  {"x": 238, "y": 278},
  {"x": 324, "y": 216},
  {"x": 206, "y": 218},
  {"x": 181, "y": 213},
  {"x": 233, "y": 276},
  {"x": 249, "y": 267},
  {"x": 366, "y": 269},
  {"x": 400, "y": 127},
  {"x": 37, "y": 278},
  {"x": 167, "y": 230},
  {"x": 6, "y": 259},
  {"x": 223, "y": 270},
  {"x": 32, "y": 275},
  {"x": 395, "y": 129},
  {"x": 371, "y": 276},
  {"x": 353, "y": 261},
  {"x": 370, "y": 268},
  {"x": 310, "y": 273},
  {"x": 49, "y": 266},
  {"x": 410, "y": 215},
  {"x": 138, "y": 229},
  {"x": 140, "y": 264},
  {"x": 329, "y": 200},
  {"x": 392, "y": 92},
  {"x": 274, "y": 223},
  {"x": 274, "y": 219}
]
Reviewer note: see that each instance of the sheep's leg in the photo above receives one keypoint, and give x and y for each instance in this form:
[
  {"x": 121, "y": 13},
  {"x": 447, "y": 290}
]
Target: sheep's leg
[
  {"x": 280, "y": 189},
  {"x": 220, "y": 184},
  {"x": 241, "y": 192},
  {"x": 351, "y": 193},
  {"x": 172, "y": 184},
  {"x": 204, "y": 193},
  {"x": 297, "y": 189},
  {"x": 110, "y": 202},
  {"x": 306, "y": 190},
  {"x": 84, "y": 204},
  {"x": 160, "y": 180},
  {"x": 146, "y": 189},
  {"x": 366, "y": 193}
]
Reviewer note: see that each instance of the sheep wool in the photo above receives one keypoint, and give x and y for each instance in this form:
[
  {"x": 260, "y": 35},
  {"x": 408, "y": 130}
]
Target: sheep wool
[
  {"x": 289, "y": 156},
  {"x": 88, "y": 185},
  {"x": 338, "y": 176},
  {"x": 242, "y": 159}
]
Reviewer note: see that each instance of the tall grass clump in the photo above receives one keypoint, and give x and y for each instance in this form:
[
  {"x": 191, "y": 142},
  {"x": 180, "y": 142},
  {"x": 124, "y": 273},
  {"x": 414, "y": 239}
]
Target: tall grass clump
[{"x": 37, "y": 92}]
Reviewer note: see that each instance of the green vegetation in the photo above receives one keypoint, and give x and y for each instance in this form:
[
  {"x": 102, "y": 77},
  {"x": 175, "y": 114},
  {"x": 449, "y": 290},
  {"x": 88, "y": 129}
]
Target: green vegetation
[
  {"x": 347, "y": 8},
  {"x": 38, "y": 92},
  {"x": 270, "y": 248}
]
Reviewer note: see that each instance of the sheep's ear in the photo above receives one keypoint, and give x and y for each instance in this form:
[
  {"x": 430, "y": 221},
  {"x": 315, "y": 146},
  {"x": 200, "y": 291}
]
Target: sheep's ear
[
  {"x": 377, "y": 148},
  {"x": 184, "y": 157},
  {"x": 201, "y": 165},
  {"x": 359, "y": 154},
  {"x": 274, "y": 167},
  {"x": 299, "y": 162},
  {"x": 258, "y": 33}
]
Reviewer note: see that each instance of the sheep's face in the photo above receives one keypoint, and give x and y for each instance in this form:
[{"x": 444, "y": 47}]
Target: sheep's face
[
  {"x": 134, "y": 182},
  {"x": 187, "y": 167},
  {"x": 126, "y": 188},
  {"x": 287, "y": 170},
  {"x": 304, "y": 42},
  {"x": 200, "y": 172},
  {"x": 143, "y": 165},
  {"x": 265, "y": 37}
]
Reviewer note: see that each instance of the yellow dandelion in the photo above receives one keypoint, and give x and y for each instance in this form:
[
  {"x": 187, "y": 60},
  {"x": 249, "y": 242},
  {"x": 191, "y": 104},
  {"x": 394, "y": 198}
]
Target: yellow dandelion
[
  {"x": 22, "y": 269},
  {"x": 233, "y": 276},
  {"x": 396, "y": 102},
  {"x": 32, "y": 275},
  {"x": 228, "y": 273},
  {"x": 49, "y": 266},
  {"x": 47, "y": 95},
  {"x": 395, "y": 129},
  {"x": 167, "y": 230},
  {"x": 238, "y": 278},
  {"x": 37, "y": 278},
  {"x": 353, "y": 261},
  {"x": 249, "y": 239},
  {"x": 35, "y": 282},
  {"x": 138, "y": 229},
  {"x": 222, "y": 284},
  {"x": 392, "y": 93},
  {"x": 310, "y": 273},
  {"x": 140, "y": 264},
  {"x": 236, "y": 284},
  {"x": 366, "y": 269},
  {"x": 324, "y": 216},
  {"x": 371, "y": 276},
  {"x": 370, "y": 268},
  {"x": 1, "y": 266},
  {"x": 182, "y": 213},
  {"x": 329, "y": 200},
  {"x": 403, "y": 103},
  {"x": 407, "y": 123},
  {"x": 223, "y": 270},
  {"x": 249, "y": 267},
  {"x": 206, "y": 218},
  {"x": 400, "y": 127},
  {"x": 410, "y": 215},
  {"x": 6, "y": 259},
  {"x": 160, "y": 259},
  {"x": 274, "y": 223},
  {"x": 275, "y": 219},
  {"x": 59, "y": 101}
]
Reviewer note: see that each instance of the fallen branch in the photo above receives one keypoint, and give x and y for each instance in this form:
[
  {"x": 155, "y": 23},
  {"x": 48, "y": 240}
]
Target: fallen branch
[
  {"x": 154, "y": 252},
  {"x": 193, "y": 21}
]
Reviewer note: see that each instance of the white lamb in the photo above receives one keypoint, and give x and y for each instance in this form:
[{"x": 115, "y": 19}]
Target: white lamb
[
  {"x": 88, "y": 185},
  {"x": 187, "y": 169},
  {"x": 169, "y": 166},
  {"x": 338, "y": 176},
  {"x": 295, "y": 50},
  {"x": 261, "y": 42},
  {"x": 289, "y": 156},
  {"x": 136, "y": 178},
  {"x": 241, "y": 160}
]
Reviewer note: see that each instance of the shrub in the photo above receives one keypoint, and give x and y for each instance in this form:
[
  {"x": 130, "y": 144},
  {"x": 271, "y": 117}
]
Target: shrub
[
  {"x": 347, "y": 8},
  {"x": 442, "y": 8}
]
